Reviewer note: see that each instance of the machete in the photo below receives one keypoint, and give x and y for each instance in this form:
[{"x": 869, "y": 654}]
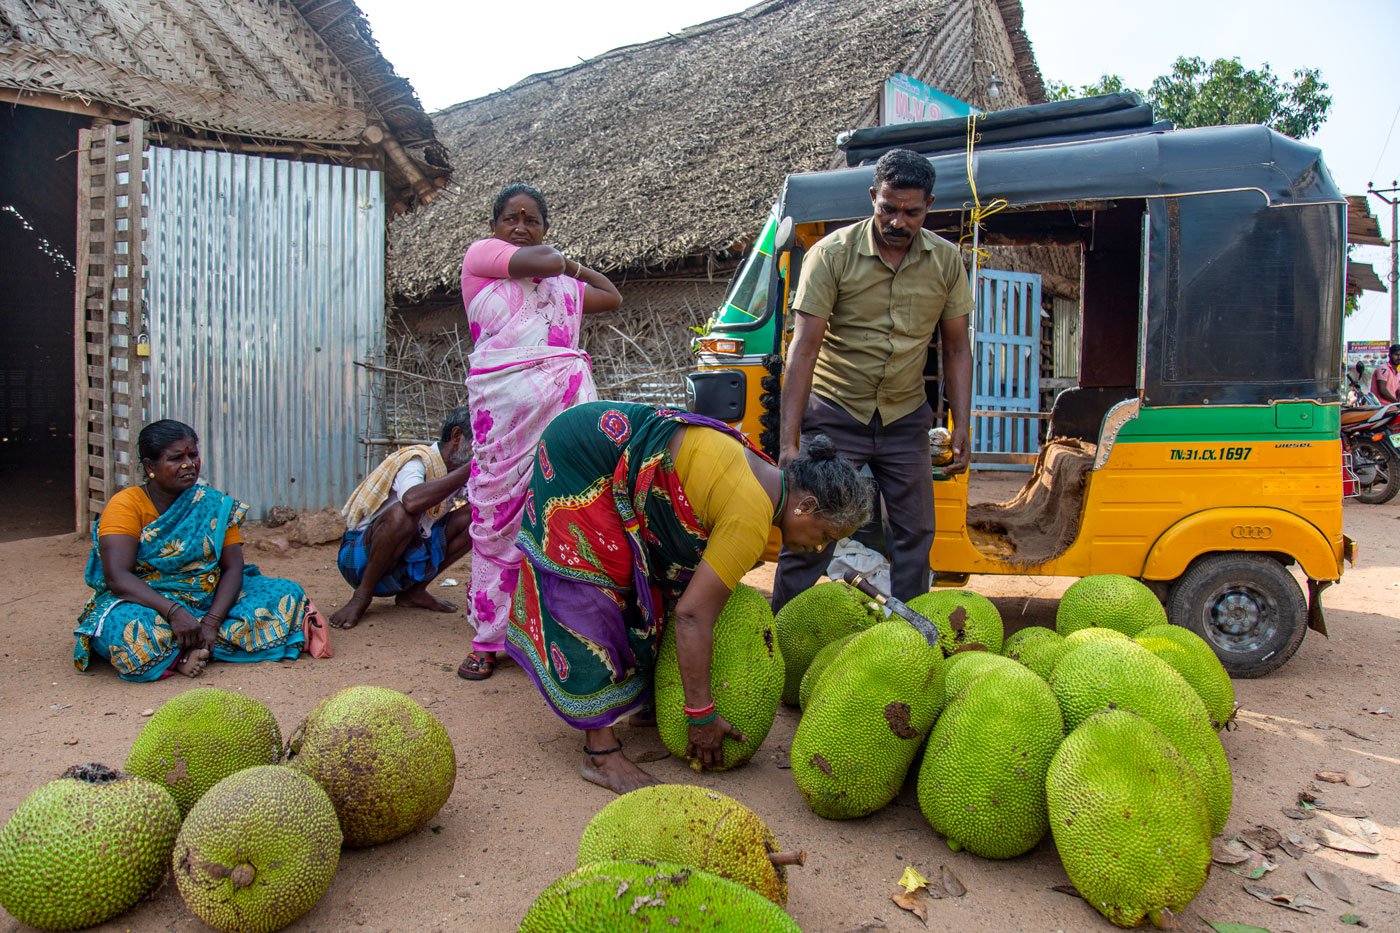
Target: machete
[{"x": 896, "y": 606}]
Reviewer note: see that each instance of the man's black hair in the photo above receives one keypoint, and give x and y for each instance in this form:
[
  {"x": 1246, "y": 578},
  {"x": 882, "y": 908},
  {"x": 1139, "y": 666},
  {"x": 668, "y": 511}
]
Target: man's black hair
[{"x": 904, "y": 168}]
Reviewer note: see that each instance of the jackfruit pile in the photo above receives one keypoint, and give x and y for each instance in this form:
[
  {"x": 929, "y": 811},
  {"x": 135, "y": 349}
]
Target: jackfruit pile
[
  {"x": 746, "y": 679},
  {"x": 670, "y": 857},
  {"x": 253, "y": 843},
  {"x": 813, "y": 619},
  {"x": 1103, "y": 734}
]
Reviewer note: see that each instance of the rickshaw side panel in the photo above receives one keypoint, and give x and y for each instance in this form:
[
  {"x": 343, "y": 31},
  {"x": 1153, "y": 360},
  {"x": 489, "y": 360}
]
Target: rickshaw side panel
[{"x": 1270, "y": 531}]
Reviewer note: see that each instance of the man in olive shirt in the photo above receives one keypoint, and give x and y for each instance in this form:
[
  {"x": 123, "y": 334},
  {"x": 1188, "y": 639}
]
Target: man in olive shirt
[{"x": 868, "y": 301}]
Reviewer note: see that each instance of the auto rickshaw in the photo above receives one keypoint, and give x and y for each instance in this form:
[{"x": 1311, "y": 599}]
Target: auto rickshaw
[{"x": 1200, "y": 450}]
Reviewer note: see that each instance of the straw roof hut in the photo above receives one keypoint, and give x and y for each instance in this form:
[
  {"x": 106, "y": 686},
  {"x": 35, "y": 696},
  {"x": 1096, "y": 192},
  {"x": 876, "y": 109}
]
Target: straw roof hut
[
  {"x": 289, "y": 77},
  {"x": 661, "y": 159}
]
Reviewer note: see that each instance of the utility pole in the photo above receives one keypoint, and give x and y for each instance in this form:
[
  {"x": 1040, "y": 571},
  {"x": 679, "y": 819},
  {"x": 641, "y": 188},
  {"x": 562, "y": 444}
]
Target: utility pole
[{"x": 1393, "y": 280}]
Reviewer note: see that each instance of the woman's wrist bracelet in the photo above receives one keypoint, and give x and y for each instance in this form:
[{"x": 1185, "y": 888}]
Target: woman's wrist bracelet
[
  {"x": 693, "y": 713},
  {"x": 702, "y": 720}
]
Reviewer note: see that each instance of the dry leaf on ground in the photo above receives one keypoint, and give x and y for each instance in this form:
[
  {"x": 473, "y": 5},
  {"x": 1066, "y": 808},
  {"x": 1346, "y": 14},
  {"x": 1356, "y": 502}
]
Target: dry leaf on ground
[
  {"x": 1228, "y": 853},
  {"x": 1357, "y": 779},
  {"x": 1303, "y": 842},
  {"x": 1331, "y": 777},
  {"x": 1390, "y": 886},
  {"x": 1293, "y": 902},
  {"x": 1329, "y": 883},
  {"x": 1368, "y": 830},
  {"x": 1293, "y": 813},
  {"x": 1261, "y": 838},
  {"x": 1344, "y": 843},
  {"x": 949, "y": 882},
  {"x": 914, "y": 903}
]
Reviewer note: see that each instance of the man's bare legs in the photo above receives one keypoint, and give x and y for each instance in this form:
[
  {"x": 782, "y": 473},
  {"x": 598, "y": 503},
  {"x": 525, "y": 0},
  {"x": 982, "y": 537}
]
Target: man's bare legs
[
  {"x": 459, "y": 543},
  {"x": 388, "y": 537},
  {"x": 604, "y": 765}
]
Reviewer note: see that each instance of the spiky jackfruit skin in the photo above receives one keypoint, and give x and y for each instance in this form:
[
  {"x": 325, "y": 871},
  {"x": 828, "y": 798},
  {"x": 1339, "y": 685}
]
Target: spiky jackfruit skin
[
  {"x": 1194, "y": 660},
  {"x": 1109, "y": 600},
  {"x": 85, "y": 848},
  {"x": 1121, "y": 674},
  {"x": 982, "y": 782},
  {"x": 645, "y": 895},
  {"x": 866, "y": 720},
  {"x": 386, "y": 763},
  {"x": 1036, "y": 647},
  {"x": 963, "y": 618},
  {"x": 966, "y": 666},
  {"x": 1128, "y": 817},
  {"x": 813, "y": 619},
  {"x": 258, "y": 850},
  {"x": 200, "y": 737},
  {"x": 690, "y": 825},
  {"x": 1085, "y": 636},
  {"x": 817, "y": 667},
  {"x": 746, "y": 679}
]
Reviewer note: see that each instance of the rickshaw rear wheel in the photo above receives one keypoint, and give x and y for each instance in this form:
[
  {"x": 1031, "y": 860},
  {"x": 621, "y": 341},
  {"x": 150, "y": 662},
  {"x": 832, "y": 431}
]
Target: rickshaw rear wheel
[{"x": 1247, "y": 607}]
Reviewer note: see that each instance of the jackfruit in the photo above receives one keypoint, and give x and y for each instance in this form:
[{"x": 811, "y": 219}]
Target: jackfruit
[
  {"x": 966, "y": 666},
  {"x": 200, "y": 737},
  {"x": 866, "y": 720},
  {"x": 963, "y": 618},
  {"x": 1109, "y": 600},
  {"x": 1121, "y": 674},
  {"x": 813, "y": 619},
  {"x": 1085, "y": 636},
  {"x": 817, "y": 667},
  {"x": 1038, "y": 648},
  {"x": 621, "y": 896},
  {"x": 386, "y": 763},
  {"x": 982, "y": 783},
  {"x": 1192, "y": 658},
  {"x": 746, "y": 679},
  {"x": 1129, "y": 818},
  {"x": 258, "y": 850},
  {"x": 691, "y": 825},
  {"x": 85, "y": 848}
]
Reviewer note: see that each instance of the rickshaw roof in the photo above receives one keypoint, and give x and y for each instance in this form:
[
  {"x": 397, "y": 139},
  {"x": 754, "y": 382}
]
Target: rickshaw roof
[{"x": 1158, "y": 163}]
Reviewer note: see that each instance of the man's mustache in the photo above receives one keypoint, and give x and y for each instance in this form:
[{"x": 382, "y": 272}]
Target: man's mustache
[{"x": 892, "y": 232}]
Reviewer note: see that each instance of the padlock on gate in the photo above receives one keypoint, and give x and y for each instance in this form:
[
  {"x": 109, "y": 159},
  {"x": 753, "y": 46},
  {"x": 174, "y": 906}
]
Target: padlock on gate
[{"x": 143, "y": 344}]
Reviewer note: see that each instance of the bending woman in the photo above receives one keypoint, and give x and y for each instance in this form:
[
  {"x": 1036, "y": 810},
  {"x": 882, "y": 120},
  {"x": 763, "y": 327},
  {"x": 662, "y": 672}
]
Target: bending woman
[
  {"x": 525, "y": 302},
  {"x": 633, "y": 514},
  {"x": 170, "y": 589}
]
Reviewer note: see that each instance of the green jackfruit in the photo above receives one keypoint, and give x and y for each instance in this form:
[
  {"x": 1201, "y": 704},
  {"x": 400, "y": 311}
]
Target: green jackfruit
[
  {"x": 1109, "y": 600},
  {"x": 813, "y": 619},
  {"x": 1038, "y": 648},
  {"x": 868, "y": 718},
  {"x": 963, "y": 618},
  {"x": 1129, "y": 818},
  {"x": 746, "y": 678},
  {"x": 200, "y": 737},
  {"x": 1085, "y": 636},
  {"x": 621, "y": 896},
  {"x": 258, "y": 850},
  {"x": 1121, "y": 674},
  {"x": 966, "y": 666},
  {"x": 691, "y": 825},
  {"x": 982, "y": 783},
  {"x": 85, "y": 848},
  {"x": 817, "y": 667},
  {"x": 1194, "y": 660},
  {"x": 386, "y": 763}
]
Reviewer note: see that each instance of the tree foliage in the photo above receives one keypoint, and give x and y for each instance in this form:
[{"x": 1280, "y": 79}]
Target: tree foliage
[{"x": 1200, "y": 93}]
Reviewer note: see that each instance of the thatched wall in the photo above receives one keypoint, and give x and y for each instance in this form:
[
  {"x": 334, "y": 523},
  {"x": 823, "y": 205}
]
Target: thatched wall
[{"x": 667, "y": 154}]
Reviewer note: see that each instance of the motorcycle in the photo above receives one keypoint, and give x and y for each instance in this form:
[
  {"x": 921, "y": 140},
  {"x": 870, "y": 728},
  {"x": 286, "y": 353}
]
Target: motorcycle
[{"x": 1370, "y": 438}]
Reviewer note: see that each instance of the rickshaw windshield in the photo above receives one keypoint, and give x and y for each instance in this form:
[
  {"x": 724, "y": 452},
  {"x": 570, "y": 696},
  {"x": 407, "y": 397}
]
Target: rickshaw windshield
[
  {"x": 746, "y": 305},
  {"x": 1245, "y": 301}
]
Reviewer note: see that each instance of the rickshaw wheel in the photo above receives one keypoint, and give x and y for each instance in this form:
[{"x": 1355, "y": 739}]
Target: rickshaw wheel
[{"x": 1247, "y": 607}]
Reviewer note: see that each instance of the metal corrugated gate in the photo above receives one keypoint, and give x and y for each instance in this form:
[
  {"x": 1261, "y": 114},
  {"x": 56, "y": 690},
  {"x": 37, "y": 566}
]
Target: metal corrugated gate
[
  {"x": 265, "y": 283},
  {"x": 1006, "y": 370}
]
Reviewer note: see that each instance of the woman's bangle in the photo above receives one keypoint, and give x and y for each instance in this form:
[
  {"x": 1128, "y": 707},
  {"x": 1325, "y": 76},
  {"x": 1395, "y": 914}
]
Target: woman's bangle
[
  {"x": 170, "y": 610},
  {"x": 695, "y": 712},
  {"x": 702, "y": 720}
]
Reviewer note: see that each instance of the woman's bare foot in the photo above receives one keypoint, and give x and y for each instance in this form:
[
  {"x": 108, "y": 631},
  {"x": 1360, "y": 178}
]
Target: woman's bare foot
[
  {"x": 420, "y": 598},
  {"x": 605, "y": 765},
  {"x": 348, "y": 615},
  {"x": 191, "y": 664}
]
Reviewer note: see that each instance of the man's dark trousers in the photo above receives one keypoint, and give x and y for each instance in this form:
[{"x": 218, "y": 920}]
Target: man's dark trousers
[{"x": 899, "y": 457}]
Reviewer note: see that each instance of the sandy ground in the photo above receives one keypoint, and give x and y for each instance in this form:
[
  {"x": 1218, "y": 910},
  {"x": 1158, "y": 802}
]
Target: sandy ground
[{"x": 513, "y": 822}]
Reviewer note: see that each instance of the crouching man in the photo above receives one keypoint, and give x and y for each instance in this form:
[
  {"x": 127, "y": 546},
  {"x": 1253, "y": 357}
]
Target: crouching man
[{"x": 402, "y": 527}]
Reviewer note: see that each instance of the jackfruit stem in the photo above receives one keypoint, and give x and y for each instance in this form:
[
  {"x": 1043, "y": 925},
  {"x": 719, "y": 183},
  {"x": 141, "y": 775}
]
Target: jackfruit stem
[
  {"x": 788, "y": 858},
  {"x": 954, "y": 845},
  {"x": 1163, "y": 919},
  {"x": 242, "y": 876},
  {"x": 93, "y": 773}
]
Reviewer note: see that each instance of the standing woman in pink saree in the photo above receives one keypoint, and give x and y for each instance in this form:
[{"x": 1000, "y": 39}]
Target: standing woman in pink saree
[{"x": 525, "y": 302}]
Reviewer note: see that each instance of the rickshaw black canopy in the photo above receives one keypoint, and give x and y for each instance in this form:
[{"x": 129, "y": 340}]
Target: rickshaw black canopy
[{"x": 1246, "y": 247}]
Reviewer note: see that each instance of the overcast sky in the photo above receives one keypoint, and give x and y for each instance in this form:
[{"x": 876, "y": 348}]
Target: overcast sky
[{"x": 456, "y": 51}]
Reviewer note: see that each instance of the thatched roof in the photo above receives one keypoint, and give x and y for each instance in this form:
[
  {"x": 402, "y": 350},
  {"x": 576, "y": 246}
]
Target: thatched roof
[
  {"x": 1362, "y": 226},
  {"x": 306, "y": 71},
  {"x": 670, "y": 152}
]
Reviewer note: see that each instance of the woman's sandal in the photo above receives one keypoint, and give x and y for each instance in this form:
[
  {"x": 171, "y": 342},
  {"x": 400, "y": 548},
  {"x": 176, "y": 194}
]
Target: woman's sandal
[{"x": 477, "y": 667}]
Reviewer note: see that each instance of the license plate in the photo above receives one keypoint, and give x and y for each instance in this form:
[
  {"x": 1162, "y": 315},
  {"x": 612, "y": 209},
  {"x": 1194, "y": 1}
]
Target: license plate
[{"x": 1395, "y": 440}]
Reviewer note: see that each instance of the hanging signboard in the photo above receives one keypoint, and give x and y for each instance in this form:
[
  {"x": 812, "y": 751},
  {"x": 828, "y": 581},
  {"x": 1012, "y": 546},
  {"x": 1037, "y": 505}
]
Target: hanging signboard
[{"x": 909, "y": 100}]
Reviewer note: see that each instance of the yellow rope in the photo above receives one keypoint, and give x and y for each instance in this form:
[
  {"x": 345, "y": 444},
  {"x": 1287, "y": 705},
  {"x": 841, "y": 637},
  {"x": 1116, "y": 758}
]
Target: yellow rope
[{"x": 979, "y": 212}]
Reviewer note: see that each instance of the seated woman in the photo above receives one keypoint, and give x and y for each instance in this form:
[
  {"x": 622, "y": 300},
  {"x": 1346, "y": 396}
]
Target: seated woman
[
  {"x": 634, "y": 514},
  {"x": 170, "y": 589}
]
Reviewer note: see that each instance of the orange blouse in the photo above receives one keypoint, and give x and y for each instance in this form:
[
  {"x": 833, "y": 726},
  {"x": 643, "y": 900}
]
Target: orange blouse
[{"x": 131, "y": 510}]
